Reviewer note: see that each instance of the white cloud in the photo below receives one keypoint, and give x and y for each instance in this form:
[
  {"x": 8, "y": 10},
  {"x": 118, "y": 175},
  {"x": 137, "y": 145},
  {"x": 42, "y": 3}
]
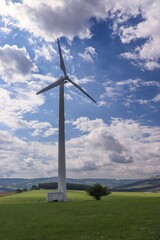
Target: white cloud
[
  {"x": 129, "y": 55},
  {"x": 125, "y": 91},
  {"x": 15, "y": 64},
  {"x": 66, "y": 53},
  {"x": 156, "y": 98},
  {"x": 29, "y": 162},
  {"x": 5, "y": 30},
  {"x": 142, "y": 101},
  {"x": 101, "y": 103},
  {"x": 151, "y": 65},
  {"x": 15, "y": 102},
  {"x": 43, "y": 129},
  {"x": 25, "y": 158},
  {"x": 123, "y": 149},
  {"x": 68, "y": 96},
  {"x": 86, "y": 125},
  {"x": 89, "y": 54},
  {"x": 50, "y": 132},
  {"x": 73, "y": 18},
  {"x": 147, "y": 29},
  {"x": 112, "y": 91},
  {"x": 46, "y": 51},
  {"x": 134, "y": 82},
  {"x": 84, "y": 80},
  {"x": 51, "y": 20},
  {"x": 137, "y": 82},
  {"x": 150, "y": 83}
]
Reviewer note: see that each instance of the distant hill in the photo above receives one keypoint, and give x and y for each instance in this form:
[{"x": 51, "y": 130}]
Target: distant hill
[
  {"x": 149, "y": 185},
  {"x": 122, "y": 185},
  {"x": 11, "y": 184}
]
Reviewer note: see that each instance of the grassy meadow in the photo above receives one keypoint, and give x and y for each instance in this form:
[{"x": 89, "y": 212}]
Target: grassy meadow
[{"x": 119, "y": 216}]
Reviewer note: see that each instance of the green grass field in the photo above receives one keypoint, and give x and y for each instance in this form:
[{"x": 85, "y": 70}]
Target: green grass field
[{"x": 127, "y": 216}]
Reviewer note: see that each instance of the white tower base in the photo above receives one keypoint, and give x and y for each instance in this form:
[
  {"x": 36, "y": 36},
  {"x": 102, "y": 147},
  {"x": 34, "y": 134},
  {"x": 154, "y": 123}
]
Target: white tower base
[{"x": 55, "y": 197}]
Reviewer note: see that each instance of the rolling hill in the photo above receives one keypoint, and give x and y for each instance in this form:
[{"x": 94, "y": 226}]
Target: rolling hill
[
  {"x": 149, "y": 185},
  {"x": 11, "y": 184},
  {"x": 122, "y": 185}
]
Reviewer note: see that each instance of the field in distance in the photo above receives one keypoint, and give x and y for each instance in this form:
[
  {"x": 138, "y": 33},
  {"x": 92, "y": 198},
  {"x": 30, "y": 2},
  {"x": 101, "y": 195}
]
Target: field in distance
[{"x": 127, "y": 216}]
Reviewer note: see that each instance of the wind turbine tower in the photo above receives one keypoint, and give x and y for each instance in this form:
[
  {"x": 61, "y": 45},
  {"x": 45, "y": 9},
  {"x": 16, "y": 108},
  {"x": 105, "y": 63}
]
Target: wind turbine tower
[{"x": 61, "y": 195}]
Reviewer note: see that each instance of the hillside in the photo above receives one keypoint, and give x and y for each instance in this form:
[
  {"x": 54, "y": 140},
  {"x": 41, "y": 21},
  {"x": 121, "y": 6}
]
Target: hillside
[
  {"x": 122, "y": 185},
  {"x": 149, "y": 185},
  {"x": 10, "y": 184}
]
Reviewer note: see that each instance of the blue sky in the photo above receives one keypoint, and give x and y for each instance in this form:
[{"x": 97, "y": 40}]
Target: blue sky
[{"x": 111, "y": 49}]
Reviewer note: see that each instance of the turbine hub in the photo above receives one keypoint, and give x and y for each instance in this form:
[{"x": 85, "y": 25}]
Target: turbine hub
[{"x": 66, "y": 78}]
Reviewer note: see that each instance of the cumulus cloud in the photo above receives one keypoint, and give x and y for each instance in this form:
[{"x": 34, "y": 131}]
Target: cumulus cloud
[
  {"x": 14, "y": 103},
  {"x": 43, "y": 129},
  {"x": 147, "y": 29},
  {"x": 121, "y": 142},
  {"x": 15, "y": 64},
  {"x": 26, "y": 158},
  {"x": 50, "y": 20},
  {"x": 122, "y": 149},
  {"x": 86, "y": 125},
  {"x": 117, "y": 158},
  {"x": 118, "y": 148},
  {"x": 151, "y": 65},
  {"x": 46, "y": 51}
]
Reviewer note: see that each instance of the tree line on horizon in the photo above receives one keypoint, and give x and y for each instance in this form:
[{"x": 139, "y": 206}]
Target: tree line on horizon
[{"x": 54, "y": 185}]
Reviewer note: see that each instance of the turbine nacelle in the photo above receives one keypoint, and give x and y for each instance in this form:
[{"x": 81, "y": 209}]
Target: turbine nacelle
[{"x": 66, "y": 80}]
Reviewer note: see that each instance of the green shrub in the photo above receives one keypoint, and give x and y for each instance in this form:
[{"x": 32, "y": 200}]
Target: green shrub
[{"x": 97, "y": 191}]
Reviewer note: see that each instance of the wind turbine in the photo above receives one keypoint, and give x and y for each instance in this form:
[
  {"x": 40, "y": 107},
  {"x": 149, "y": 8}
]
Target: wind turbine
[{"x": 61, "y": 144}]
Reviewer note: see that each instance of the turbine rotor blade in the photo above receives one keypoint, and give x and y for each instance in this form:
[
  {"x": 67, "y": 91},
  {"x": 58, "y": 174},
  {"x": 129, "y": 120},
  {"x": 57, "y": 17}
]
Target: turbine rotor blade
[
  {"x": 62, "y": 65},
  {"x": 81, "y": 89},
  {"x": 52, "y": 85}
]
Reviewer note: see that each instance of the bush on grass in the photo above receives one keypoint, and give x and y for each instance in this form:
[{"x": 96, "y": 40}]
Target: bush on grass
[{"x": 97, "y": 191}]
